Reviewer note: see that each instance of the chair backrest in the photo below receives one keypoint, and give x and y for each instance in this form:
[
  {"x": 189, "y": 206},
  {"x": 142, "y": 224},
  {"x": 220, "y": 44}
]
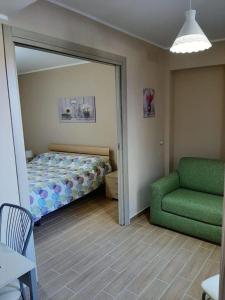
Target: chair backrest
[
  {"x": 16, "y": 226},
  {"x": 203, "y": 175}
]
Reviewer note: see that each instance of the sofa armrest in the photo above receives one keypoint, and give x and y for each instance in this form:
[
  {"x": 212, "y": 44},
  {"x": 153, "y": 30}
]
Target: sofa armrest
[{"x": 162, "y": 187}]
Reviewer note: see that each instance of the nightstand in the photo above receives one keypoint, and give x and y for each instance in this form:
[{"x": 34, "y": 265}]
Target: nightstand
[
  {"x": 111, "y": 185},
  {"x": 29, "y": 155}
]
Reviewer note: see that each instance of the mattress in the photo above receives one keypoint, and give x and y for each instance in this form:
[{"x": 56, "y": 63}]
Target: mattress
[{"x": 56, "y": 179}]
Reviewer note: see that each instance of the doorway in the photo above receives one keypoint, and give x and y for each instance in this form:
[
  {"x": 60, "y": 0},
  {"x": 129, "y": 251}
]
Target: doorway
[{"x": 16, "y": 37}]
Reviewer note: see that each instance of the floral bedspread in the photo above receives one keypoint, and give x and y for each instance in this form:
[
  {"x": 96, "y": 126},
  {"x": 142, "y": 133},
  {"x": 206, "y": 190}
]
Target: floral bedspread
[{"x": 56, "y": 179}]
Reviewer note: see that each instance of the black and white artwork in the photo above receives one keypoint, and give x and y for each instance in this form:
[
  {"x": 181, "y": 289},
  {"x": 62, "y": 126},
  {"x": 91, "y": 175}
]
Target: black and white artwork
[{"x": 77, "y": 109}]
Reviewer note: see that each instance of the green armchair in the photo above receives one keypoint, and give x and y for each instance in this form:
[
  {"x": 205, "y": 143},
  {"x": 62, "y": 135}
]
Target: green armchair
[{"x": 190, "y": 200}]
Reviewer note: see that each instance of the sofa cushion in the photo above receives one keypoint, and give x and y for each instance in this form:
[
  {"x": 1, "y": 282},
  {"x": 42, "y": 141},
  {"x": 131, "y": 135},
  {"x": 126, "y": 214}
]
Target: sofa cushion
[
  {"x": 198, "y": 206},
  {"x": 203, "y": 175}
]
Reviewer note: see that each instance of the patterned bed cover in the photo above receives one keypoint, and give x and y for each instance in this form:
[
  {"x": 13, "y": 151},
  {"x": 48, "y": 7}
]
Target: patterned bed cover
[{"x": 56, "y": 179}]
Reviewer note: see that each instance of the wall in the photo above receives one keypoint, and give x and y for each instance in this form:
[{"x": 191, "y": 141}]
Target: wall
[
  {"x": 8, "y": 175},
  {"x": 199, "y": 107},
  {"x": 40, "y": 93},
  {"x": 213, "y": 57},
  {"x": 145, "y": 68}
]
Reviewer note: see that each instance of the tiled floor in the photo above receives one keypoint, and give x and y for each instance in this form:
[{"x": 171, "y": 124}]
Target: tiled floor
[{"x": 82, "y": 253}]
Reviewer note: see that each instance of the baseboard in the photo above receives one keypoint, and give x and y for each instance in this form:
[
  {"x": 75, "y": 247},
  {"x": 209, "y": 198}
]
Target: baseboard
[{"x": 142, "y": 212}]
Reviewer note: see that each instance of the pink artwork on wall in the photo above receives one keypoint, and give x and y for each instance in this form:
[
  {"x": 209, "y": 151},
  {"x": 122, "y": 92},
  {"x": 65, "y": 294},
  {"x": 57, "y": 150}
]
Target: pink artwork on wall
[{"x": 149, "y": 102}]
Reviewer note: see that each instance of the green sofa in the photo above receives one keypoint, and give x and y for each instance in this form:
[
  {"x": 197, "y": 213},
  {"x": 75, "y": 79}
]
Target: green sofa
[{"x": 190, "y": 200}]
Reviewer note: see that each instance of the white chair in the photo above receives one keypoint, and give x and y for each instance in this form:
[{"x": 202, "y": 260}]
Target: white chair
[
  {"x": 16, "y": 226},
  {"x": 210, "y": 287},
  {"x": 11, "y": 291}
]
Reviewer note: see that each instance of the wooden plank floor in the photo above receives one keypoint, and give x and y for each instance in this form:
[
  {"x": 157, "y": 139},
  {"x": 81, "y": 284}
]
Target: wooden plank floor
[{"x": 82, "y": 253}]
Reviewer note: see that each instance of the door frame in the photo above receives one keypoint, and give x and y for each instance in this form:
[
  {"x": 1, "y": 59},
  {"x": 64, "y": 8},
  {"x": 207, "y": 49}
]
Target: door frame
[
  {"x": 222, "y": 256},
  {"x": 15, "y": 36}
]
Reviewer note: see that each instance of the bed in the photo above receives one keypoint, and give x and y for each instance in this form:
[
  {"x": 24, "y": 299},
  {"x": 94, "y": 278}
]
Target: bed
[{"x": 63, "y": 174}]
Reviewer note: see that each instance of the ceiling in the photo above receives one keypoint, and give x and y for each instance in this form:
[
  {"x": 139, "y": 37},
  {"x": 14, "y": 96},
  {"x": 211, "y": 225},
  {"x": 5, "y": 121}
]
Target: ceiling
[
  {"x": 10, "y": 7},
  {"x": 30, "y": 60},
  {"x": 156, "y": 21}
]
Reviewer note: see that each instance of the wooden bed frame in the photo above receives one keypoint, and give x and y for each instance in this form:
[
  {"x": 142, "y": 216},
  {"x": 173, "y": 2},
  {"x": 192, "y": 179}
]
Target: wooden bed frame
[{"x": 104, "y": 152}]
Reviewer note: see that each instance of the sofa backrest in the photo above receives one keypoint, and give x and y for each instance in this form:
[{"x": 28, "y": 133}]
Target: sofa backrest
[{"x": 203, "y": 175}]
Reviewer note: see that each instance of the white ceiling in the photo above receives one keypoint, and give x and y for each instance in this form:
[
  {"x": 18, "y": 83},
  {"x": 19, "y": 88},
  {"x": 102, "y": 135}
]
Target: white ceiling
[
  {"x": 30, "y": 60},
  {"x": 157, "y": 21},
  {"x": 10, "y": 7}
]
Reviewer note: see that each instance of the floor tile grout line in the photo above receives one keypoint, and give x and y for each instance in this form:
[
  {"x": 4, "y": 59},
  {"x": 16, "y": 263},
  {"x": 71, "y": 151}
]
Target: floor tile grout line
[
  {"x": 103, "y": 289},
  {"x": 95, "y": 219},
  {"x": 80, "y": 218},
  {"x": 58, "y": 275},
  {"x": 168, "y": 244},
  {"x": 149, "y": 283},
  {"x": 94, "y": 242},
  {"x": 71, "y": 222},
  {"x": 130, "y": 292},
  {"x": 125, "y": 241},
  {"x": 71, "y": 229},
  {"x": 156, "y": 277},
  {"x": 94, "y": 263},
  {"x": 118, "y": 245},
  {"x": 104, "y": 292},
  {"x": 161, "y": 294},
  {"x": 202, "y": 267},
  {"x": 186, "y": 295},
  {"x": 135, "y": 247},
  {"x": 89, "y": 283},
  {"x": 171, "y": 283},
  {"x": 128, "y": 237},
  {"x": 68, "y": 248},
  {"x": 136, "y": 276},
  {"x": 63, "y": 287}
]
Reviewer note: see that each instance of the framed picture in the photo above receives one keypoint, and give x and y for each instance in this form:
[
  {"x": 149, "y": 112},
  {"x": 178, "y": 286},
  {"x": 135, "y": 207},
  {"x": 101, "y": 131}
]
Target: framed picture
[
  {"x": 77, "y": 109},
  {"x": 149, "y": 102}
]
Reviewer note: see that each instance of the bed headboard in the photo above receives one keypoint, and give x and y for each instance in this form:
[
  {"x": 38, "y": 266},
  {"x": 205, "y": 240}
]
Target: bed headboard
[{"x": 81, "y": 149}]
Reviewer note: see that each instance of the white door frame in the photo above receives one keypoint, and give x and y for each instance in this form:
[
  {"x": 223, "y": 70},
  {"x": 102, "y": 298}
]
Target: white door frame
[{"x": 15, "y": 36}]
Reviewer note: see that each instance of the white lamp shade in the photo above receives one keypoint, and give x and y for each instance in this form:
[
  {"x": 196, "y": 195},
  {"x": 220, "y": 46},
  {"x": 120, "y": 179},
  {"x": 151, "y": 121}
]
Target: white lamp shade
[
  {"x": 29, "y": 154},
  {"x": 191, "y": 38}
]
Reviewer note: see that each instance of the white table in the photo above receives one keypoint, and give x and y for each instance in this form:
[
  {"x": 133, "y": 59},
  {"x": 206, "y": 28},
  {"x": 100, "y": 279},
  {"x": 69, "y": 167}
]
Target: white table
[{"x": 15, "y": 266}]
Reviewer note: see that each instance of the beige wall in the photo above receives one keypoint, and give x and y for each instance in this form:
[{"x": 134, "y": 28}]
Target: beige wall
[
  {"x": 213, "y": 57},
  {"x": 40, "y": 93},
  {"x": 145, "y": 68},
  {"x": 198, "y": 121}
]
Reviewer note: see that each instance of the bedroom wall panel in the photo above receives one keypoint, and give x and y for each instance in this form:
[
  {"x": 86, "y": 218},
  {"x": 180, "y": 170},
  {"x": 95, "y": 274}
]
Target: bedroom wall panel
[
  {"x": 8, "y": 175},
  {"x": 145, "y": 68},
  {"x": 40, "y": 93}
]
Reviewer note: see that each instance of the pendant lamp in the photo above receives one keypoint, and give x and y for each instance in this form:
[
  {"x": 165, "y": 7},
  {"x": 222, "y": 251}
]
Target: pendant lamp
[{"x": 191, "y": 38}]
